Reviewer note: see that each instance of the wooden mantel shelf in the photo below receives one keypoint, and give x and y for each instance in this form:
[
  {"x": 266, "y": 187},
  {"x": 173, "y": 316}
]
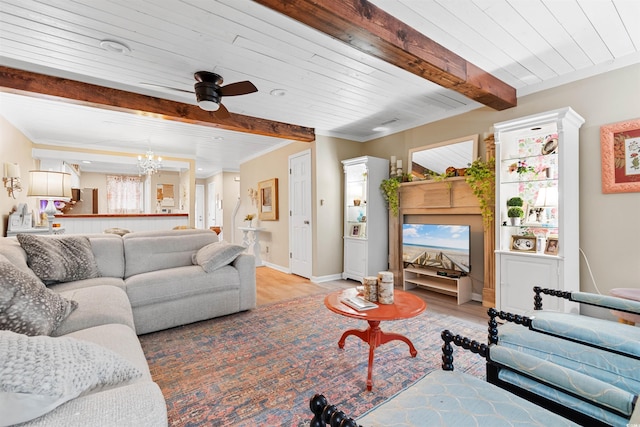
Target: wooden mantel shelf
[{"x": 451, "y": 196}]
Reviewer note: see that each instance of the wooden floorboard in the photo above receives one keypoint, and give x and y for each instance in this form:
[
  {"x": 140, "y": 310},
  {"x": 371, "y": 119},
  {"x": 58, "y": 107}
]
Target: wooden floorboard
[{"x": 273, "y": 286}]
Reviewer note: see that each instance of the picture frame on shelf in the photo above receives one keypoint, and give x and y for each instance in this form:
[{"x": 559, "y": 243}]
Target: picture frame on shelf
[
  {"x": 356, "y": 230},
  {"x": 523, "y": 243},
  {"x": 268, "y": 199},
  {"x": 620, "y": 152},
  {"x": 552, "y": 246}
]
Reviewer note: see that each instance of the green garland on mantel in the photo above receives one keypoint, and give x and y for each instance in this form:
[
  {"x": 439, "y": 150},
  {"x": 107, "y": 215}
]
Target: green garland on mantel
[
  {"x": 481, "y": 177},
  {"x": 389, "y": 188}
]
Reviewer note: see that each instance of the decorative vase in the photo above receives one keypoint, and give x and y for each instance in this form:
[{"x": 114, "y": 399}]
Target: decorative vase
[
  {"x": 515, "y": 220},
  {"x": 249, "y": 223}
]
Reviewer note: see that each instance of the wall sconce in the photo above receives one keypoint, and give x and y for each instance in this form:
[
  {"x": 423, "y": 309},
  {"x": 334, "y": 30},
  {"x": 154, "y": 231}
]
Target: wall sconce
[{"x": 11, "y": 178}]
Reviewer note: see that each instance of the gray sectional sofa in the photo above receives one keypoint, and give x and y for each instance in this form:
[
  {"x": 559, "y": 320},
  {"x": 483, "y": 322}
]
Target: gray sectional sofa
[{"x": 129, "y": 285}]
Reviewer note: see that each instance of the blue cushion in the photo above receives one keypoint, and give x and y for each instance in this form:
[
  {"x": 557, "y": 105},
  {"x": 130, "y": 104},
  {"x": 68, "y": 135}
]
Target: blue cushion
[
  {"x": 450, "y": 398},
  {"x": 615, "y": 369},
  {"x": 563, "y": 398},
  {"x": 566, "y": 379},
  {"x": 603, "y": 333}
]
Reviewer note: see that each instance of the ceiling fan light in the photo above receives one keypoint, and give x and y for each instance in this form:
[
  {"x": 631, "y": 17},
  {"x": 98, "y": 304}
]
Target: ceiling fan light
[{"x": 207, "y": 105}]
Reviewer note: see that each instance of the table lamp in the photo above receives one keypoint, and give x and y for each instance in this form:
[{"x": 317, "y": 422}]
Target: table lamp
[{"x": 51, "y": 186}]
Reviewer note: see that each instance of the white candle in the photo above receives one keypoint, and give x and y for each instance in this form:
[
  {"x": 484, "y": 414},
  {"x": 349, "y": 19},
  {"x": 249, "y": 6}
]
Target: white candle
[
  {"x": 399, "y": 164},
  {"x": 393, "y": 160}
]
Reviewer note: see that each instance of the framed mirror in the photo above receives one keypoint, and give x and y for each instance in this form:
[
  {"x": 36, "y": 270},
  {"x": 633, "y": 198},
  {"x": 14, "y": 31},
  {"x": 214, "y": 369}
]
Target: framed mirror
[{"x": 435, "y": 159}]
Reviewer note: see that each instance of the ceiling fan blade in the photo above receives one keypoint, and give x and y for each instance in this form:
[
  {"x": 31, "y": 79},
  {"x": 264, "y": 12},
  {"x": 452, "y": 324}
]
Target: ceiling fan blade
[
  {"x": 222, "y": 112},
  {"x": 239, "y": 88}
]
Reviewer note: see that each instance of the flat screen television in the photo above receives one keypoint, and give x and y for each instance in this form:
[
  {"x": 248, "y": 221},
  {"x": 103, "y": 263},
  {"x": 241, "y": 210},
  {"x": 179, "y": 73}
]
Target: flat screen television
[{"x": 437, "y": 246}]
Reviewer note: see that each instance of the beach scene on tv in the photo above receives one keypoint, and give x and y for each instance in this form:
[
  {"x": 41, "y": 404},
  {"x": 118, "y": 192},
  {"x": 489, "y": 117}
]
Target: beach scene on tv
[{"x": 436, "y": 246}]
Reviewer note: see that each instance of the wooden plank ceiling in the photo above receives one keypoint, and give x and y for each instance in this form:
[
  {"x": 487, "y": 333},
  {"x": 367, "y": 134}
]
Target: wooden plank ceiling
[
  {"x": 371, "y": 30},
  {"x": 356, "y": 22}
]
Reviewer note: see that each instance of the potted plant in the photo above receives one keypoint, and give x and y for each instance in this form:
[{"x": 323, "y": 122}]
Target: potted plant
[
  {"x": 515, "y": 214},
  {"x": 515, "y": 201},
  {"x": 481, "y": 177}
]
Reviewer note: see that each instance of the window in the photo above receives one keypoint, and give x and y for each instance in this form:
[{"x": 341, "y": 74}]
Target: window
[{"x": 124, "y": 194}]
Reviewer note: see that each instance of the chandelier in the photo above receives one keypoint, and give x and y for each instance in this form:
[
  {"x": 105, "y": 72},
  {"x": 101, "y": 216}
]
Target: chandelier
[{"x": 149, "y": 164}]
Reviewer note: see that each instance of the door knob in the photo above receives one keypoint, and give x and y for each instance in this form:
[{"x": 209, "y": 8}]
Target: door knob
[{"x": 306, "y": 223}]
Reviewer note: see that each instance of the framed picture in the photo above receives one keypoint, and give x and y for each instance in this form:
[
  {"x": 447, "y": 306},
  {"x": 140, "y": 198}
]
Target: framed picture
[
  {"x": 552, "y": 246},
  {"x": 523, "y": 243},
  {"x": 164, "y": 194},
  {"x": 620, "y": 151},
  {"x": 356, "y": 230},
  {"x": 268, "y": 193}
]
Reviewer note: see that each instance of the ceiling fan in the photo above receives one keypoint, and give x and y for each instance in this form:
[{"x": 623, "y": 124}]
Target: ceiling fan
[{"x": 209, "y": 93}]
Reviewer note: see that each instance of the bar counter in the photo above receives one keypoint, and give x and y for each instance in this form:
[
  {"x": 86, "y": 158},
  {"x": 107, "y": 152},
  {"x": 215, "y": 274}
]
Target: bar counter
[{"x": 97, "y": 223}]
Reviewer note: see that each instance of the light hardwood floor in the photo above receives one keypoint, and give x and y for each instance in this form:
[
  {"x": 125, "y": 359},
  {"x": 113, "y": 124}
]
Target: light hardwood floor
[{"x": 273, "y": 286}]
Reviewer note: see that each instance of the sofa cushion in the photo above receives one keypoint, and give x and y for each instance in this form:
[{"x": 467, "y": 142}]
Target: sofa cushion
[
  {"x": 11, "y": 249},
  {"x": 122, "y": 340},
  {"x": 97, "y": 305},
  {"x": 160, "y": 250},
  {"x": 59, "y": 258},
  {"x": 87, "y": 283},
  {"x": 26, "y": 305},
  {"x": 37, "y": 374},
  {"x": 178, "y": 283},
  {"x": 216, "y": 255},
  {"x": 132, "y": 405},
  {"x": 108, "y": 250}
]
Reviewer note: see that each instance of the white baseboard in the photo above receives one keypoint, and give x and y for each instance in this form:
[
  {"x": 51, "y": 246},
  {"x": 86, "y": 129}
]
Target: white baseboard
[
  {"x": 281, "y": 269},
  {"x": 322, "y": 279}
]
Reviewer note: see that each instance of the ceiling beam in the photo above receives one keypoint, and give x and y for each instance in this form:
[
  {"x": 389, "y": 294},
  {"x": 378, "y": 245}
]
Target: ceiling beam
[
  {"x": 41, "y": 85},
  {"x": 371, "y": 30}
]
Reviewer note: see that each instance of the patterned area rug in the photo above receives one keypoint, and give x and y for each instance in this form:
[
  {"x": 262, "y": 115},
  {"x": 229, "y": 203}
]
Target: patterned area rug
[{"x": 260, "y": 368}]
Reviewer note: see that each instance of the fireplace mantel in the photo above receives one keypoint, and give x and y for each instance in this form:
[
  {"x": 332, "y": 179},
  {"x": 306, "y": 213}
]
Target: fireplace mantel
[{"x": 452, "y": 196}]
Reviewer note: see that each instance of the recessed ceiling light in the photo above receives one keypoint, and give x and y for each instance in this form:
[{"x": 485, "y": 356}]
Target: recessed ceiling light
[
  {"x": 217, "y": 138},
  {"x": 278, "y": 92},
  {"x": 379, "y": 129},
  {"x": 86, "y": 162},
  {"x": 114, "y": 46}
]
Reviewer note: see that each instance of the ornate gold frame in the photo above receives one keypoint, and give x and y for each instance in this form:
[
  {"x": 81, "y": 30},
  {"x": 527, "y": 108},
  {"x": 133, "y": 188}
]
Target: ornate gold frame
[{"x": 268, "y": 193}]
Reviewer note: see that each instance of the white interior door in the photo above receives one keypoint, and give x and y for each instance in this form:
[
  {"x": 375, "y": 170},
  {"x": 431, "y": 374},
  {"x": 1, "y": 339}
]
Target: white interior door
[
  {"x": 300, "y": 237},
  {"x": 200, "y": 206},
  {"x": 211, "y": 204}
]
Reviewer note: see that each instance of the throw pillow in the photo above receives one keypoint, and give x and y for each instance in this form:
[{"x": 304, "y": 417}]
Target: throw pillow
[
  {"x": 216, "y": 255},
  {"x": 59, "y": 258},
  {"x": 38, "y": 374},
  {"x": 27, "y": 306}
]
